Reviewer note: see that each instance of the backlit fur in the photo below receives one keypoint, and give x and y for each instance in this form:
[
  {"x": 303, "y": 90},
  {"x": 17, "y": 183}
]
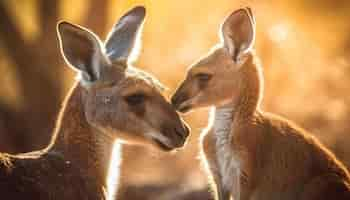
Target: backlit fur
[
  {"x": 250, "y": 154},
  {"x": 75, "y": 164}
]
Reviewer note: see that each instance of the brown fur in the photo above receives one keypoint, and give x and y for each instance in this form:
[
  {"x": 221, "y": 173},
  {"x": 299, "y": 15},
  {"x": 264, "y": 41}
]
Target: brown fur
[
  {"x": 66, "y": 169},
  {"x": 279, "y": 159},
  {"x": 112, "y": 100},
  {"x": 274, "y": 157}
]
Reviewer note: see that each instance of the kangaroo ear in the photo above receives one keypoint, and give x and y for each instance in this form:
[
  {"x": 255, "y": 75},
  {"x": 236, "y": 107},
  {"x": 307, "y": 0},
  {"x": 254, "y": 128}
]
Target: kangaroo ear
[
  {"x": 251, "y": 15},
  {"x": 122, "y": 38},
  {"x": 238, "y": 33},
  {"x": 82, "y": 50}
]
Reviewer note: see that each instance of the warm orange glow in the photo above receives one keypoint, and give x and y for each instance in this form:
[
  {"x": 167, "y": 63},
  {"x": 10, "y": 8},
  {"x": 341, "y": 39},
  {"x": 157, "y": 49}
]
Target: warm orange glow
[
  {"x": 304, "y": 47},
  {"x": 279, "y": 32}
]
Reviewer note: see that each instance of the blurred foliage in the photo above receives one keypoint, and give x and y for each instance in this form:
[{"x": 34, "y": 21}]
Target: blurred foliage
[{"x": 304, "y": 48}]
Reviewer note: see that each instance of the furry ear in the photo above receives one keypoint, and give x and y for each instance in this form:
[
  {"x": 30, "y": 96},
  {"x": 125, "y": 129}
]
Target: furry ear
[
  {"x": 82, "y": 50},
  {"x": 238, "y": 33},
  {"x": 122, "y": 38}
]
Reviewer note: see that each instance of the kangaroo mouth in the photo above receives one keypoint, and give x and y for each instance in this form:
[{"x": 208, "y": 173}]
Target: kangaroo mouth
[
  {"x": 176, "y": 139},
  {"x": 182, "y": 103},
  {"x": 184, "y": 108},
  {"x": 163, "y": 145}
]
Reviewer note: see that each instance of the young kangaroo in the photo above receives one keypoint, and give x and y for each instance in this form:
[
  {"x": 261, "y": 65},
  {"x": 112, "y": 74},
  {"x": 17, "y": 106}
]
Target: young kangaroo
[
  {"x": 111, "y": 100},
  {"x": 250, "y": 154}
]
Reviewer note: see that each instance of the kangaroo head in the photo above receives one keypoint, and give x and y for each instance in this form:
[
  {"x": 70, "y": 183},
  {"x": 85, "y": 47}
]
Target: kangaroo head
[
  {"x": 215, "y": 78},
  {"x": 120, "y": 100}
]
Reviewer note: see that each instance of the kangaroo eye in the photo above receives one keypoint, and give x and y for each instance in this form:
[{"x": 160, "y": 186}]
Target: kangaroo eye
[
  {"x": 204, "y": 77},
  {"x": 135, "y": 99}
]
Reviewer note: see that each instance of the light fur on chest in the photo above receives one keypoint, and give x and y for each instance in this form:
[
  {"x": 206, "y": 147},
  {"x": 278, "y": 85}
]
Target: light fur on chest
[{"x": 228, "y": 163}]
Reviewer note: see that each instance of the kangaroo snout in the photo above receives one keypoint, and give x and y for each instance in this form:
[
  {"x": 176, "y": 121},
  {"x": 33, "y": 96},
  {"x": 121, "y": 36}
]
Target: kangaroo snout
[
  {"x": 174, "y": 134},
  {"x": 184, "y": 131},
  {"x": 179, "y": 100},
  {"x": 176, "y": 99},
  {"x": 181, "y": 133}
]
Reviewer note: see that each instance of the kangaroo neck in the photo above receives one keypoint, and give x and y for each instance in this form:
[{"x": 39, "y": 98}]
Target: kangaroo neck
[
  {"x": 80, "y": 144},
  {"x": 244, "y": 106}
]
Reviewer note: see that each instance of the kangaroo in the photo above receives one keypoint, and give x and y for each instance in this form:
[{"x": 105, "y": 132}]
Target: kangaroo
[
  {"x": 111, "y": 100},
  {"x": 250, "y": 154}
]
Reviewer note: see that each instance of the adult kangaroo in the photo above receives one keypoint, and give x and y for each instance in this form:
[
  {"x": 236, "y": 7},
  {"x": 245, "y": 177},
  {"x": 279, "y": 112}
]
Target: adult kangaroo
[
  {"x": 111, "y": 100},
  {"x": 250, "y": 154}
]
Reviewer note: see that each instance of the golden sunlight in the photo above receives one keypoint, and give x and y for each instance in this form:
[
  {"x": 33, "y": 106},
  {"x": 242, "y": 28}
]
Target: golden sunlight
[
  {"x": 303, "y": 48},
  {"x": 279, "y": 32}
]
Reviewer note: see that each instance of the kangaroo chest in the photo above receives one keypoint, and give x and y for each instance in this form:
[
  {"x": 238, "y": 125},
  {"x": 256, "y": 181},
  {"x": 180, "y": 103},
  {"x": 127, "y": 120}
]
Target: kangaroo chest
[{"x": 227, "y": 161}]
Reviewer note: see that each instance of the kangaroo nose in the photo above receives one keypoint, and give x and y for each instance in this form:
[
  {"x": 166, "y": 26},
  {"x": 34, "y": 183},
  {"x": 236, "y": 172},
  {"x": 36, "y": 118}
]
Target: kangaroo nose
[
  {"x": 183, "y": 132},
  {"x": 175, "y": 100}
]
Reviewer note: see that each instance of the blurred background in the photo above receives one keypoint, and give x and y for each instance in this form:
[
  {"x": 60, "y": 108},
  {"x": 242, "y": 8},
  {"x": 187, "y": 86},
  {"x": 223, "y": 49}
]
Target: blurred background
[{"x": 304, "y": 46}]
